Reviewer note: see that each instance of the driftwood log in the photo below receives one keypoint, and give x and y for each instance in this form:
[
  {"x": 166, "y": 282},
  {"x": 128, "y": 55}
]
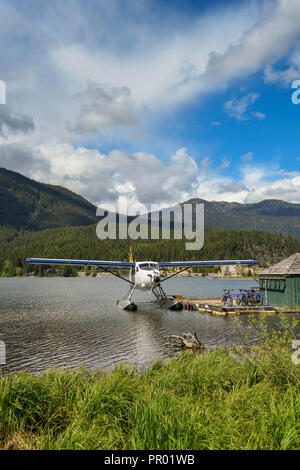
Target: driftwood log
[{"x": 187, "y": 340}]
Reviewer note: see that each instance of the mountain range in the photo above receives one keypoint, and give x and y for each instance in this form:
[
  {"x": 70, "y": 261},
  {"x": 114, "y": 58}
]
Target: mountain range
[{"x": 30, "y": 205}]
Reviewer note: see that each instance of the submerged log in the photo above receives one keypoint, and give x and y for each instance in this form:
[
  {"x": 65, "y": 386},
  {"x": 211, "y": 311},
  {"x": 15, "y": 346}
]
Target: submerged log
[{"x": 187, "y": 340}]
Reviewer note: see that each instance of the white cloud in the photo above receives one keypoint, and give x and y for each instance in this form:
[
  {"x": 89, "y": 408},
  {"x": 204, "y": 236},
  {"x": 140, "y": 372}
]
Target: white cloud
[
  {"x": 287, "y": 189},
  {"x": 149, "y": 62},
  {"x": 205, "y": 163},
  {"x": 25, "y": 159},
  {"x": 103, "y": 177},
  {"x": 103, "y": 106},
  {"x": 148, "y": 65},
  {"x": 163, "y": 67},
  {"x": 143, "y": 178},
  {"x": 285, "y": 76},
  {"x": 247, "y": 156},
  {"x": 165, "y": 60},
  {"x": 237, "y": 108},
  {"x": 258, "y": 115},
  {"x": 268, "y": 40},
  {"x": 12, "y": 122},
  {"x": 225, "y": 164}
]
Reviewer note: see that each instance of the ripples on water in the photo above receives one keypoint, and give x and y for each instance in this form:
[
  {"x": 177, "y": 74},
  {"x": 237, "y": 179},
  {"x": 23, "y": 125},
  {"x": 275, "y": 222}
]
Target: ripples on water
[{"x": 73, "y": 322}]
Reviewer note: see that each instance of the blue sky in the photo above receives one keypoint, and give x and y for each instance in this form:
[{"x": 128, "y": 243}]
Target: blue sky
[{"x": 156, "y": 101}]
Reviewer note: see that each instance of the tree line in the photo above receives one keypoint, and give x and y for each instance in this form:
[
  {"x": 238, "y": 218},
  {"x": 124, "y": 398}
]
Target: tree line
[{"x": 82, "y": 243}]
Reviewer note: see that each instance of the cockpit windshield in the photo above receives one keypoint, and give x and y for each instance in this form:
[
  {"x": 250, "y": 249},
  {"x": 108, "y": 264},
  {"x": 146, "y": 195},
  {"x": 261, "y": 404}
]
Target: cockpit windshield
[{"x": 148, "y": 266}]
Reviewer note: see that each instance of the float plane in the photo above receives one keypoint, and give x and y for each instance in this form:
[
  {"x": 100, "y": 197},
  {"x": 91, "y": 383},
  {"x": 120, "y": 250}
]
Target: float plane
[{"x": 143, "y": 275}]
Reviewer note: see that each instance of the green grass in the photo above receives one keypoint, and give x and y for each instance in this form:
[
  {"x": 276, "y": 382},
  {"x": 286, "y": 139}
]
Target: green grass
[{"x": 210, "y": 401}]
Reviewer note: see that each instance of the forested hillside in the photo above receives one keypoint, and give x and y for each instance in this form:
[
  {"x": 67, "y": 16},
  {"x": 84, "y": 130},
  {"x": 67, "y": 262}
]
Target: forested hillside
[
  {"x": 82, "y": 243},
  {"x": 27, "y": 204},
  {"x": 40, "y": 220}
]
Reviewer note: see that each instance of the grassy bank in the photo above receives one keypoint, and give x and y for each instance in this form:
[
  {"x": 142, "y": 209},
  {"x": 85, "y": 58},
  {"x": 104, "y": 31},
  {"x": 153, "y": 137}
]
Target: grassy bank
[{"x": 218, "y": 400}]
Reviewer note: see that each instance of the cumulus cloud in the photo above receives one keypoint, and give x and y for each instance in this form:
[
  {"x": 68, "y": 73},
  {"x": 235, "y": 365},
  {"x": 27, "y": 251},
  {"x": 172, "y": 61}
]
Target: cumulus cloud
[
  {"x": 103, "y": 106},
  {"x": 103, "y": 177},
  {"x": 256, "y": 185},
  {"x": 143, "y": 178},
  {"x": 12, "y": 122},
  {"x": 176, "y": 58},
  {"x": 286, "y": 76},
  {"x": 232, "y": 187},
  {"x": 153, "y": 64},
  {"x": 267, "y": 40},
  {"x": 287, "y": 189},
  {"x": 148, "y": 66},
  {"x": 23, "y": 158}
]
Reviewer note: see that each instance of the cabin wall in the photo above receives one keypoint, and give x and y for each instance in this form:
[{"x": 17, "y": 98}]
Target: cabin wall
[{"x": 282, "y": 292}]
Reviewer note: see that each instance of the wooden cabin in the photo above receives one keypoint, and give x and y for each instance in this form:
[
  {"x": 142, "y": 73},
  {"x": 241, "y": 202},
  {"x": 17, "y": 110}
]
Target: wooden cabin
[{"x": 281, "y": 283}]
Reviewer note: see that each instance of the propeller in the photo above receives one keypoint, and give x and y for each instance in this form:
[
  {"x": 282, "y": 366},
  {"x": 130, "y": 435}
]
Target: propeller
[{"x": 155, "y": 281}]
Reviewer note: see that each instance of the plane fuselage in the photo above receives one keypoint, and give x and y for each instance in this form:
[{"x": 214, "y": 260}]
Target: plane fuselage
[{"x": 145, "y": 275}]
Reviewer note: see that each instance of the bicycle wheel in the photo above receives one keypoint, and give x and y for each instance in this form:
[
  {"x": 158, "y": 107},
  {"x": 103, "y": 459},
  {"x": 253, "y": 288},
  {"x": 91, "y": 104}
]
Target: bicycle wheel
[{"x": 260, "y": 300}]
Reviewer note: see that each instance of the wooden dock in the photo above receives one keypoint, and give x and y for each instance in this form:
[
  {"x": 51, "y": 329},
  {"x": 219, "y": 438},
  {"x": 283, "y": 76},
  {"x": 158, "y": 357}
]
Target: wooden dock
[{"x": 214, "y": 306}]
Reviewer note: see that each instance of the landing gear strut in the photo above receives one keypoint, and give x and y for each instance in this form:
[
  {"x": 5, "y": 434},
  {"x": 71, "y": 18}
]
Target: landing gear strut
[
  {"x": 159, "y": 293},
  {"x": 126, "y": 303},
  {"x": 165, "y": 301}
]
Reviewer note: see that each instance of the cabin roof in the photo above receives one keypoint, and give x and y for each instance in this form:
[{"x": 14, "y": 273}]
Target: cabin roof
[{"x": 288, "y": 266}]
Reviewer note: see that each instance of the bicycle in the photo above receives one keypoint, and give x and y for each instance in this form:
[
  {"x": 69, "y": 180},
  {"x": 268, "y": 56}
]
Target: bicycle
[
  {"x": 227, "y": 297},
  {"x": 242, "y": 297},
  {"x": 250, "y": 297}
]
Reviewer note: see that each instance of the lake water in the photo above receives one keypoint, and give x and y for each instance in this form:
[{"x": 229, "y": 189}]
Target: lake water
[{"x": 73, "y": 322}]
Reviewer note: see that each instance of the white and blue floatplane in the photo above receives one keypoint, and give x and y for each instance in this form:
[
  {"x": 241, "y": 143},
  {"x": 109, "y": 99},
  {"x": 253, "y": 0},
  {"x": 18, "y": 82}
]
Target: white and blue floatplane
[{"x": 143, "y": 275}]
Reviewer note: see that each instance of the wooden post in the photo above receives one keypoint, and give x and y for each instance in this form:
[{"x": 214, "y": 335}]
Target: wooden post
[{"x": 266, "y": 292}]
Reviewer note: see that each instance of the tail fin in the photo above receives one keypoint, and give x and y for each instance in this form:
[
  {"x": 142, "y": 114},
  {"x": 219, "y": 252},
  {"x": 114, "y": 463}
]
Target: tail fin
[{"x": 130, "y": 255}]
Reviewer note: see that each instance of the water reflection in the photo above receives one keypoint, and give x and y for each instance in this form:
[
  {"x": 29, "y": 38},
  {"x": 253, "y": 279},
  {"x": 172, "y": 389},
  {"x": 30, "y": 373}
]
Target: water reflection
[{"x": 50, "y": 322}]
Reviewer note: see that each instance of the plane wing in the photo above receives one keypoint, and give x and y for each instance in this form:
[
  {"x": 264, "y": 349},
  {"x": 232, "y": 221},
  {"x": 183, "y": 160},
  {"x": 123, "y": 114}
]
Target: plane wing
[
  {"x": 79, "y": 262},
  {"x": 205, "y": 263},
  {"x": 129, "y": 264}
]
